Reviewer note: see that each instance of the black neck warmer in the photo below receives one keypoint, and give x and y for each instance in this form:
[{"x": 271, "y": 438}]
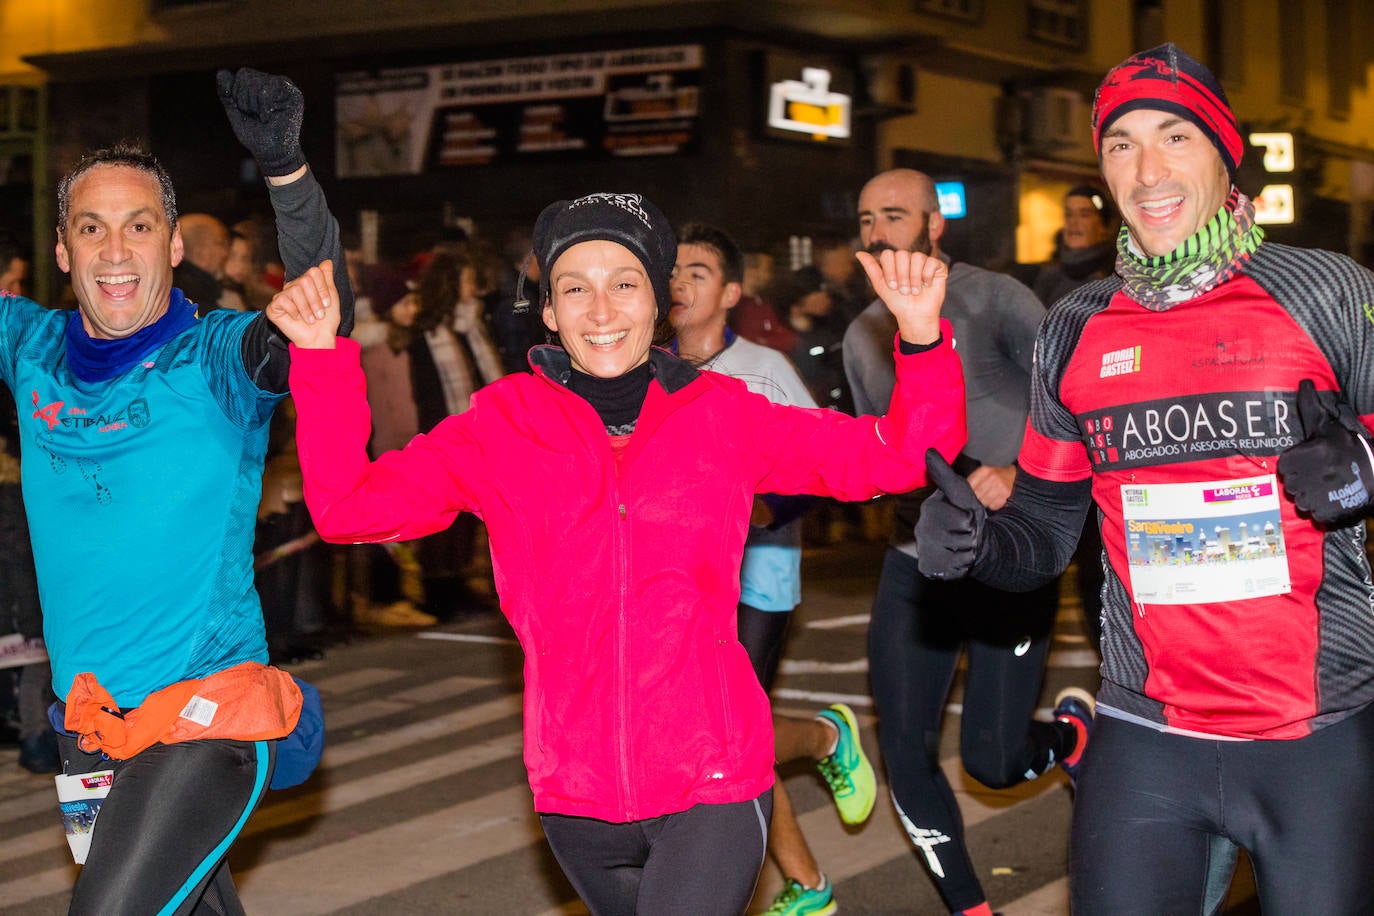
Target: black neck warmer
[{"x": 616, "y": 400}]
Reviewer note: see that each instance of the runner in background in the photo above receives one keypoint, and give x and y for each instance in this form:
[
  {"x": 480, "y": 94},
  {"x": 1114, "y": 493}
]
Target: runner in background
[{"x": 706, "y": 286}]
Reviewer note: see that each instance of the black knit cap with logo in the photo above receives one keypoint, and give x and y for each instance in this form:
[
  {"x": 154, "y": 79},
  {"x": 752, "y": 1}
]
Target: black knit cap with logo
[{"x": 626, "y": 219}]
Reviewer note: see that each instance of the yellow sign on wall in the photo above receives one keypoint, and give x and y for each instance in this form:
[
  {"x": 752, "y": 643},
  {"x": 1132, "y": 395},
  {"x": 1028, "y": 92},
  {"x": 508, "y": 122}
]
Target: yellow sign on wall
[{"x": 809, "y": 107}]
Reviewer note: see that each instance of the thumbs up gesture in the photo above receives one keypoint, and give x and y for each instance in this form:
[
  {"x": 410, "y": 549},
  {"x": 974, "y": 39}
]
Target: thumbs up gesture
[
  {"x": 950, "y": 528},
  {"x": 912, "y": 286},
  {"x": 1328, "y": 474}
]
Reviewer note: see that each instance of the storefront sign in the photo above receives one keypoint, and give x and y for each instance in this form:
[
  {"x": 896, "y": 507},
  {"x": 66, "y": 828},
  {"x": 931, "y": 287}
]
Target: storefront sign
[
  {"x": 953, "y": 201},
  {"x": 632, "y": 102},
  {"x": 809, "y": 106},
  {"x": 1274, "y": 205},
  {"x": 1278, "y": 150}
]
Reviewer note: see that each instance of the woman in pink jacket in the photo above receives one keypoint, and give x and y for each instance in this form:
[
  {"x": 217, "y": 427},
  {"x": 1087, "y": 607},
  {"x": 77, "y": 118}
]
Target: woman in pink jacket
[{"x": 616, "y": 483}]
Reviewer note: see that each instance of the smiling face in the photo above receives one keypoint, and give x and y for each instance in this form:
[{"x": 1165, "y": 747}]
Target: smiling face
[
  {"x": 119, "y": 249},
  {"x": 602, "y": 308},
  {"x": 1166, "y": 177}
]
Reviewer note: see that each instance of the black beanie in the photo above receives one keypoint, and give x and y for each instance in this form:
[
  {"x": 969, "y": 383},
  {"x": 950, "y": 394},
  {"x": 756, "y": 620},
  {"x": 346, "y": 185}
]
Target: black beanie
[{"x": 626, "y": 219}]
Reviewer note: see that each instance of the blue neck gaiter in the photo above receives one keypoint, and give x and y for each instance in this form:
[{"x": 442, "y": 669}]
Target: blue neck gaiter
[{"x": 96, "y": 359}]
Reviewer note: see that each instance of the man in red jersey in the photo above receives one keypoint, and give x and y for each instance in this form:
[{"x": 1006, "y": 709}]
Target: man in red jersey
[{"x": 1214, "y": 399}]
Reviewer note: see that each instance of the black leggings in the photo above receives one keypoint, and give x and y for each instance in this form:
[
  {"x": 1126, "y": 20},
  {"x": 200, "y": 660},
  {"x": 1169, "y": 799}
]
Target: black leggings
[
  {"x": 762, "y": 633},
  {"x": 917, "y": 631},
  {"x": 1158, "y": 817},
  {"x": 163, "y": 831},
  {"x": 704, "y": 860}
]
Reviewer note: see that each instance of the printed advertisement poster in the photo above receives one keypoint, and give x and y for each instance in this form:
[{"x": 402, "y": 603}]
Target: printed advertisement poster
[
  {"x": 1207, "y": 541},
  {"x": 16, "y": 651},
  {"x": 631, "y": 102}
]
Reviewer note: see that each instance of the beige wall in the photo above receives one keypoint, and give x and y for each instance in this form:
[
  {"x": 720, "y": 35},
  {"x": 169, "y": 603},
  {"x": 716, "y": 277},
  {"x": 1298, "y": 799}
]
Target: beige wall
[
  {"x": 58, "y": 26},
  {"x": 954, "y": 117}
]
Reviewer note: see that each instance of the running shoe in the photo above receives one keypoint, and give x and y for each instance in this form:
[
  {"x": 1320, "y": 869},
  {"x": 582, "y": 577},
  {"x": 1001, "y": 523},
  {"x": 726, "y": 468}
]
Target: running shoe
[
  {"x": 1074, "y": 706},
  {"x": 796, "y": 899},
  {"x": 847, "y": 771}
]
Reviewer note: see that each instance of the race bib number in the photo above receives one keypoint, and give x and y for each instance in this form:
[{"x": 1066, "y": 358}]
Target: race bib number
[{"x": 1190, "y": 543}]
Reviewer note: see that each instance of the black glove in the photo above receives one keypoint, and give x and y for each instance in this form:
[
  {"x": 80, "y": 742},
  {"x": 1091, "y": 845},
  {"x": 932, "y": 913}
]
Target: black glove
[
  {"x": 265, "y": 111},
  {"x": 1328, "y": 473},
  {"x": 949, "y": 530}
]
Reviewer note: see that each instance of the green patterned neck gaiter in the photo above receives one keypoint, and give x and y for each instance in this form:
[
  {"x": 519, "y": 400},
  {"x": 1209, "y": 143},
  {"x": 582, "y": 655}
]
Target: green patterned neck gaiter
[{"x": 1205, "y": 261}]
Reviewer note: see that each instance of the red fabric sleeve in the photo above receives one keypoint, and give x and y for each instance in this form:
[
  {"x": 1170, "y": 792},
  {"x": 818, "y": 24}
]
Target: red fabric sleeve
[{"x": 1053, "y": 459}]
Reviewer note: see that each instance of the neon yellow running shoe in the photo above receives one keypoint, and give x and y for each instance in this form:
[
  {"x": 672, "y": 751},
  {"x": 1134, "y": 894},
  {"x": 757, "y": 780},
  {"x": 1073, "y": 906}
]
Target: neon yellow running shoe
[
  {"x": 847, "y": 771},
  {"x": 796, "y": 899}
]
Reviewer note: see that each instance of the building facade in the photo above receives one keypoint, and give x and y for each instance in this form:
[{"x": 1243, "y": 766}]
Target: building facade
[{"x": 764, "y": 116}]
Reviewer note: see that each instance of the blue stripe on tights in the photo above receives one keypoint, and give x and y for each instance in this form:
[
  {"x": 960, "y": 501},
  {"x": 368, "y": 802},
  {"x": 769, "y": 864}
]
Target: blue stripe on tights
[{"x": 218, "y": 853}]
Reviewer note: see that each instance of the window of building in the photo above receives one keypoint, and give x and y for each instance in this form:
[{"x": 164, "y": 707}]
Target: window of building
[
  {"x": 1292, "y": 54},
  {"x": 1226, "y": 41},
  {"x": 1062, "y": 22},
  {"x": 1058, "y": 22},
  {"x": 967, "y": 10},
  {"x": 1340, "y": 25},
  {"x": 1147, "y": 24}
]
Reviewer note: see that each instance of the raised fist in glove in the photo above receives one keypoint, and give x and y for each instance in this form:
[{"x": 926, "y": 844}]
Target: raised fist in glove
[
  {"x": 949, "y": 530},
  {"x": 265, "y": 111},
  {"x": 1328, "y": 474}
]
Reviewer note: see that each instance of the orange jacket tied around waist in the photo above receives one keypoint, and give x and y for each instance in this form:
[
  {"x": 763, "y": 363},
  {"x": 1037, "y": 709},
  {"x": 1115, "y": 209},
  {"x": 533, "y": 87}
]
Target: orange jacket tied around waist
[{"x": 248, "y": 702}]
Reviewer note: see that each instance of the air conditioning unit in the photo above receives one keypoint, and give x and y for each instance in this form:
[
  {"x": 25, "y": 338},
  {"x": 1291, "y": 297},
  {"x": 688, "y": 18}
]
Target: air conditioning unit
[{"x": 1055, "y": 120}]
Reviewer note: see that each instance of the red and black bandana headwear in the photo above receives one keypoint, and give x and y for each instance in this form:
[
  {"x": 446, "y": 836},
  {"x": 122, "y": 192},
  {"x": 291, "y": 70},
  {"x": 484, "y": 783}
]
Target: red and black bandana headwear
[{"x": 1167, "y": 78}]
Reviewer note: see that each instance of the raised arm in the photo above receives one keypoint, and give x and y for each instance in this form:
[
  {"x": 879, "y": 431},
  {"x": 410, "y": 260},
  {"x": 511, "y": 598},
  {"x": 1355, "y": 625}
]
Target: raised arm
[
  {"x": 826, "y": 453},
  {"x": 912, "y": 286},
  {"x": 306, "y": 311},
  {"x": 266, "y": 112}
]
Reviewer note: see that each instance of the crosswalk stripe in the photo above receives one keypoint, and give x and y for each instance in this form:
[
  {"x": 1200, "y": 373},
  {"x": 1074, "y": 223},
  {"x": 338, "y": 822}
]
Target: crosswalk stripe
[
  {"x": 836, "y": 623},
  {"x": 342, "y": 714},
  {"x": 35, "y": 841},
  {"x": 396, "y": 779},
  {"x": 402, "y": 855},
  {"x": 395, "y": 857},
  {"x": 442, "y": 689},
  {"x": 361, "y": 679},
  {"x": 468, "y": 637},
  {"x": 358, "y": 872},
  {"x": 34, "y": 886},
  {"x": 815, "y": 666},
  {"x": 1074, "y": 658},
  {"x": 1059, "y": 658},
  {"x": 484, "y": 828},
  {"x": 335, "y": 754},
  {"x": 336, "y": 758},
  {"x": 42, "y": 796},
  {"x": 822, "y": 697}
]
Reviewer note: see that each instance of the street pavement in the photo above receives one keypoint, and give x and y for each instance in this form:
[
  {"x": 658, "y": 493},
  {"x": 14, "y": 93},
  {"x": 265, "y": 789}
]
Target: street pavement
[{"x": 421, "y": 805}]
